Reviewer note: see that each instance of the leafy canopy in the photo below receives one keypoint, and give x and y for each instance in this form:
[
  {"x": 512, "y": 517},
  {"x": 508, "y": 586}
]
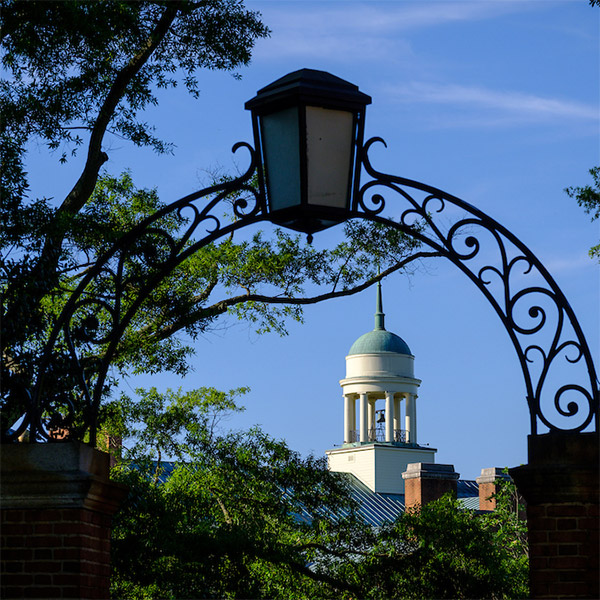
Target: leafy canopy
[{"x": 239, "y": 514}]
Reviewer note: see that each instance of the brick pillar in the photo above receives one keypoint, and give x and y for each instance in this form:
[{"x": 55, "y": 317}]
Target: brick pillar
[
  {"x": 57, "y": 503},
  {"x": 488, "y": 483},
  {"x": 560, "y": 486},
  {"x": 425, "y": 482}
]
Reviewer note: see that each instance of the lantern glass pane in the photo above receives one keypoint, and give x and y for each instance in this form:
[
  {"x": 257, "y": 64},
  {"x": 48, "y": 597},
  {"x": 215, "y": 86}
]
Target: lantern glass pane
[
  {"x": 329, "y": 136},
  {"x": 281, "y": 148}
]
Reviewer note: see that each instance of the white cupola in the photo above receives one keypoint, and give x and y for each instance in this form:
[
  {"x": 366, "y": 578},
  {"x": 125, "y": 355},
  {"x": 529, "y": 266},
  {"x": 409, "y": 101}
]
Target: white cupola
[
  {"x": 380, "y": 366},
  {"x": 381, "y": 442}
]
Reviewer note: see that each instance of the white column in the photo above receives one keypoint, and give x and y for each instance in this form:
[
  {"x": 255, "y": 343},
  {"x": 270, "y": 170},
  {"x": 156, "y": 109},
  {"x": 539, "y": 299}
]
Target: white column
[
  {"x": 411, "y": 418},
  {"x": 371, "y": 425},
  {"x": 389, "y": 416},
  {"x": 397, "y": 414},
  {"x": 363, "y": 418},
  {"x": 349, "y": 418}
]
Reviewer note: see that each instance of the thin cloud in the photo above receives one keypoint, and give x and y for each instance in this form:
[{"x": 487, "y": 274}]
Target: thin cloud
[
  {"x": 362, "y": 30},
  {"x": 500, "y": 106},
  {"x": 383, "y": 17}
]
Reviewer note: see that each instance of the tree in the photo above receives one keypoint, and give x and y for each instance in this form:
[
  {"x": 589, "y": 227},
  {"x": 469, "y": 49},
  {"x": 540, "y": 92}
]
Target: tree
[
  {"x": 588, "y": 197},
  {"x": 441, "y": 550},
  {"x": 239, "y": 514},
  {"x": 78, "y": 73}
]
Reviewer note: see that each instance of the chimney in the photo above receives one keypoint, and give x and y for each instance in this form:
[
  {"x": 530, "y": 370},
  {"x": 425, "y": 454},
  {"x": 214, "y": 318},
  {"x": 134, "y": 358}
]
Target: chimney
[
  {"x": 425, "y": 482},
  {"x": 488, "y": 482}
]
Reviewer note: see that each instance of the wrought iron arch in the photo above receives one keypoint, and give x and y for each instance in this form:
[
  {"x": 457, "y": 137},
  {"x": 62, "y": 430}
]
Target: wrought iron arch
[{"x": 429, "y": 214}]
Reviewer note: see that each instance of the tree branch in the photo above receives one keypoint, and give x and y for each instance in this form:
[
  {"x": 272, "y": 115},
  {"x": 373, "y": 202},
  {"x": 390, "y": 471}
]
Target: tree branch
[
  {"x": 84, "y": 186},
  {"x": 221, "y": 307}
]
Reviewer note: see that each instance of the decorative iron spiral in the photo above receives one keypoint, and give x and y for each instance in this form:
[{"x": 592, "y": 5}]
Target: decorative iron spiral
[
  {"x": 97, "y": 322},
  {"x": 99, "y": 310},
  {"x": 567, "y": 346}
]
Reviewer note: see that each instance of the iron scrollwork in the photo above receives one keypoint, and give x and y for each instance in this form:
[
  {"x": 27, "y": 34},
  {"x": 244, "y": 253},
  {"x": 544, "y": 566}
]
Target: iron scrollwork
[
  {"x": 85, "y": 337},
  {"x": 538, "y": 318}
]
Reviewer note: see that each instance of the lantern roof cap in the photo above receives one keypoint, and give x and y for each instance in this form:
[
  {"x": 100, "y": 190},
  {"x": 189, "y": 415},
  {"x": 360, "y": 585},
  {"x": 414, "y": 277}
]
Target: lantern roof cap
[{"x": 310, "y": 86}]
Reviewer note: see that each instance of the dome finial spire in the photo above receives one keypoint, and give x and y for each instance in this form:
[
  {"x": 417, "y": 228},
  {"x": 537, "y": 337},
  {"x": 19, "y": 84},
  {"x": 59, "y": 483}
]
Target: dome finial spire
[{"x": 379, "y": 314}]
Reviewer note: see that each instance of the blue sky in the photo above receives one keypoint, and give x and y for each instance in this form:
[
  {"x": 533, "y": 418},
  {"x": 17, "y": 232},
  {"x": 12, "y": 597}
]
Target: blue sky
[{"x": 494, "y": 102}]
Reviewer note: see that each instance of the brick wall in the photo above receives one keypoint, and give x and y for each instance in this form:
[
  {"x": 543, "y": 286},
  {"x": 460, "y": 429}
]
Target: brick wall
[
  {"x": 563, "y": 550},
  {"x": 57, "y": 506},
  {"x": 55, "y": 553},
  {"x": 560, "y": 485}
]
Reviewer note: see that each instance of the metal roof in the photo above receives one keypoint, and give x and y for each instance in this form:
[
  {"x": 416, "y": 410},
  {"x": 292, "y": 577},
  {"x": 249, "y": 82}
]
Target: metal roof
[{"x": 374, "y": 508}]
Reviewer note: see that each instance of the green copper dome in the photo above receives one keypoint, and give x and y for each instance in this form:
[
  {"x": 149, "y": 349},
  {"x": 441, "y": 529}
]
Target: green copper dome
[
  {"x": 379, "y": 340},
  {"x": 376, "y": 341}
]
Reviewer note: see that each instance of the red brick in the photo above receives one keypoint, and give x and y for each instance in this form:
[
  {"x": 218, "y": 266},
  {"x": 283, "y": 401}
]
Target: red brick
[
  {"x": 38, "y": 566},
  {"x": 568, "y": 562},
  {"x": 73, "y": 541},
  {"x": 568, "y": 549},
  {"x": 14, "y": 542},
  {"x": 593, "y": 510},
  {"x": 62, "y": 579},
  {"x": 17, "y": 529},
  {"x": 567, "y": 510},
  {"x": 542, "y": 550},
  {"x": 42, "y": 579},
  {"x": 564, "y": 524},
  {"x": 538, "y": 510},
  {"x": 12, "y": 567},
  {"x": 86, "y": 516},
  {"x": 42, "y": 553},
  {"x": 545, "y": 524},
  {"x": 539, "y": 563},
  {"x": 97, "y": 517},
  {"x": 542, "y": 576},
  {"x": 12, "y": 516},
  {"x": 48, "y": 515},
  {"x": 588, "y": 523},
  {"x": 568, "y": 536},
  {"x": 91, "y": 555},
  {"x": 40, "y": 528},
  {"x": 573, "y": 589},
  {"x": 16, "y": 579},
  {"x": 66, "y": 553},
  {"x": 537, "y": 537},
  {"x": 69, "y": 528},
  {"x": 45, "y": 541},
  {"x": 570, "y": 575},
  {"x": 42, "y": 592},
  {"x": 74, "y": 592},
  {"x": 71, "y": 567},
  {"x": 17, "y": 553},
  {"x": 11, "y": 592}
]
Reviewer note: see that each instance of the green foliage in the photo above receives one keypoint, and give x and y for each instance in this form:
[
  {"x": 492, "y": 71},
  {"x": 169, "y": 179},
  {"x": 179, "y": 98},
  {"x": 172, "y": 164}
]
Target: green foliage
[
  {"x": 239, "y": 514},
  {"x": 66, "y": 59},
  {"x": 75, "y": 72},
  {"x": 236, "y": 515},
  {"x": 441, "y": 550},
  {"x": 588, "y": 197}
]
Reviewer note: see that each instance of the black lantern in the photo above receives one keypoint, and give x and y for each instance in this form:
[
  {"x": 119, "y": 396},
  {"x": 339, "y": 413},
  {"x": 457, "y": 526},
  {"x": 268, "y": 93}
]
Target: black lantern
[{"x": 308, "y": 131}]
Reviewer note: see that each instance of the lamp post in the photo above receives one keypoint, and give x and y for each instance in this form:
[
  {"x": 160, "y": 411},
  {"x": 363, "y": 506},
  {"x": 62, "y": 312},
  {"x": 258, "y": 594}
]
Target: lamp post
[{"x": 308, "y": 134}]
